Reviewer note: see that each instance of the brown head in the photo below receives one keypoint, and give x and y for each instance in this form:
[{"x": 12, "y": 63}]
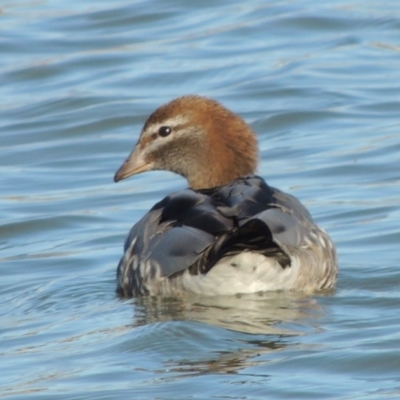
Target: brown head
[{"x": 197, "y": 138}]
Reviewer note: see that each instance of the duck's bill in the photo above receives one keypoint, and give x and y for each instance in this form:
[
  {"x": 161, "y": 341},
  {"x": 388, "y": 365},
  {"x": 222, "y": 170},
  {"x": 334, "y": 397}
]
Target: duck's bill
[{"x": 134, "y": 164}]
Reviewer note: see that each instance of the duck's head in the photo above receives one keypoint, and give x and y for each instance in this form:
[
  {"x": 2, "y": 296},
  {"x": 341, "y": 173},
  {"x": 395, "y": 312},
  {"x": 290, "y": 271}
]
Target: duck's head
[{"x": 197, "y": 138}]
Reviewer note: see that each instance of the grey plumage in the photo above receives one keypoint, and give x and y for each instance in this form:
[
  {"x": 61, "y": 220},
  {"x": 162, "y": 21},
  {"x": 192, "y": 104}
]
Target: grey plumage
[{"x": 190, "y": 231}]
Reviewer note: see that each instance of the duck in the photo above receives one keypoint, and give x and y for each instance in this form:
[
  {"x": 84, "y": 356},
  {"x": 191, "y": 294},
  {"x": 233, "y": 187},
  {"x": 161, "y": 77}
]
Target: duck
[{"x": 229, "y": 232}]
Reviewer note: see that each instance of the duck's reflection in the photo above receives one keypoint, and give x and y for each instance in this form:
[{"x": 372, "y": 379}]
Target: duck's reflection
[
  {"x": 267, "y": 313},
  {"x": 248, "y": 326}
]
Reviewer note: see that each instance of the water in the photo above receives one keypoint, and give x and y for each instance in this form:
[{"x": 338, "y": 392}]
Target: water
[{"x": 318, "y": 81}]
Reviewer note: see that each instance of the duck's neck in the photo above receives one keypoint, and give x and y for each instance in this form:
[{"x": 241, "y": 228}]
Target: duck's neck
[{"x": 223, "y": 163}]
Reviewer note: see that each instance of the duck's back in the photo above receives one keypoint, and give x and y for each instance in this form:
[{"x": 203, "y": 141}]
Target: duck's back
[{"x": 260, "y": 237}]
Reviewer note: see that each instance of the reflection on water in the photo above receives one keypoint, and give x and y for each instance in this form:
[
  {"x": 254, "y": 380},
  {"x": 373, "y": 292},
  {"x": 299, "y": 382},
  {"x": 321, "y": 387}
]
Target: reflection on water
[
  {"x": 264, "y": 313},
  {"x": 227, "y": 362},
  {"x": 265, "y": 320}
]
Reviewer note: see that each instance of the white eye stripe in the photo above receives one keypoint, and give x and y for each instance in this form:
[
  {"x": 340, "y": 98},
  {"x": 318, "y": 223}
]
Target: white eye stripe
[
  {"x": 177, "y": 120},
  {"x": 171, "y": 122}
]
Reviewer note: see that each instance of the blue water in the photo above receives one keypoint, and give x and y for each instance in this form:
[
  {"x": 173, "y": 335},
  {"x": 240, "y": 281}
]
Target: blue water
[{"x": 320, "y": 84}]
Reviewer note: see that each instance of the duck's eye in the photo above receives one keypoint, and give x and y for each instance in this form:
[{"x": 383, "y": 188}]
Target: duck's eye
[{"x": 164, "y": 131}]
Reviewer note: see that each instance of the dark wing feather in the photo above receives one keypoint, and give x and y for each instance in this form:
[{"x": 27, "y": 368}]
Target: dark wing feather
[
  {"x": 254, "y": 236},
  {"x": 195, "y": 229}
]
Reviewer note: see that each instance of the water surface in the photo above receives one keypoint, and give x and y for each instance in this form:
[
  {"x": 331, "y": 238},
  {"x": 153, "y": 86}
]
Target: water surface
[{"x": 318, "y": 82}]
